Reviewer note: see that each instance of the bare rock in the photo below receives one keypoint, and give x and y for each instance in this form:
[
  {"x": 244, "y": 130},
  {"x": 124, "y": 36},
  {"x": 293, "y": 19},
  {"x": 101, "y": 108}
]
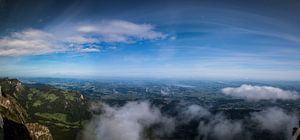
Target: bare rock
[{"x": 38, "y": 132}]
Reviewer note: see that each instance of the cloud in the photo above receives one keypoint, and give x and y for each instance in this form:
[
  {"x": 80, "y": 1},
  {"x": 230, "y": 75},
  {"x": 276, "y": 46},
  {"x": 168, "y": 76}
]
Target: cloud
[
  {"x": 38, "y": 42},
  {"x": 87, "y": 29},
  {"x": 274, "y": 119},
  {"x": 81, "y": 40},
  {"x": 28, "y": 42},
  {"x": 89, "y": 50},
  {"x": 134, "y": 121},
  {"x": 215, "y": 126},
  {"x": 194, "y": 112},
  {"x": 78, "y": 39},
  {"x": 127, "y": 122},
  {"x": 165, "y": 91},
  {"x": 219, "y": 127},
  {"x": 256, "y": 93},
  {"x": 121, "y": 31}
]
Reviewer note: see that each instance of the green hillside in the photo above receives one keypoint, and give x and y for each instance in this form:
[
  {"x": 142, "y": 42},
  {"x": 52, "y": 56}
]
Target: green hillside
[{"x": 63, "y": 112}]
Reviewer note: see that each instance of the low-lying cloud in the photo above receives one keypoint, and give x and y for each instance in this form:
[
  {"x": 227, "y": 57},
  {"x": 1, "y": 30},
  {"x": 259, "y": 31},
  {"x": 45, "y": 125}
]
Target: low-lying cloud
[
  {"x": 127, "y": 122},
  {"x": 194, "y": 112},
  {"x": 216, "y": 126},
  {"x": 256, "y": 93},
  {"x": 134, "y": 121},
  {"x": 274, "y": 119},
  {"x": 219, "y": 127}
]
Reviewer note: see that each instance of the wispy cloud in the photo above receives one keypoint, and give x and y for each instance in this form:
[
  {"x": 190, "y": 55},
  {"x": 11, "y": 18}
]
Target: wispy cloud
[
  {"x": 219, "y": 127},
  {"x": 127, "y": 122},
  {"x": 266, "y": 119},
  {"x": 256, "y": 93},
  {"x": 89, "y": 50},
  {"x": 29, "y": 42},
  {"x": 81, "y": 40},
  {"x": 210, "y": 125},
  {"x": 121, "y": 31},
  {"x": 37, "y": 42},
  {"x": 193, "y": 112}
]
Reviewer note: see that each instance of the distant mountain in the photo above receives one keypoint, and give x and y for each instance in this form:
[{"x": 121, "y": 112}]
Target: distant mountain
[{"x": 38, "y": 111}]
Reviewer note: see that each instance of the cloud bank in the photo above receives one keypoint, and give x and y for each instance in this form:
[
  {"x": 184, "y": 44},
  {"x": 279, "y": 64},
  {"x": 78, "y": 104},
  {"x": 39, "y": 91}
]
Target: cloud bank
[
  {"x": 85, "y": 38},
  {"x": 216, "y": 126},
  {"x": 127, "y": 122},
  {"x": 275, "y": 119},
  {"x": 256, "y": 93},
  {"x": 143, "y": 121},
  {"x": 219, "y": 127}
]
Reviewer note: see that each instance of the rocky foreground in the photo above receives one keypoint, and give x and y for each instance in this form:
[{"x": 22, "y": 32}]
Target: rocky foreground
[{"x": 39, "y": 112}]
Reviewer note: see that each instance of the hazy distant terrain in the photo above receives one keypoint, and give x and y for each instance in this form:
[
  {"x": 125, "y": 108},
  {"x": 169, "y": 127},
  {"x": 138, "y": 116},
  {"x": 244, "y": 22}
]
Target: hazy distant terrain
[{"x": 186, "y": 109}]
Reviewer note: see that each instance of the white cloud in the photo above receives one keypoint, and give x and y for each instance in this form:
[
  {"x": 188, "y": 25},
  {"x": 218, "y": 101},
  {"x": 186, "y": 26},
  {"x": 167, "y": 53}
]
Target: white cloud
[
  {"x": 81, "y": 40},
  {"x": 28, "y": 42},
  {"x": 274, "y": 119},
  {"x": 89, "y": 50},
  {"x": 194, "y": 112},
  {"x": 127, "y": 122},
  {"x": 173, "y": 38},
  {"x": 256, "y": 93},
  {"x": 219, "y": 127},
  {"x": 36, "y": 42},
  {"x": 121, "y": 31},
  {"x": 87, "y": 29},
  {"x": 215, "y": 126}
]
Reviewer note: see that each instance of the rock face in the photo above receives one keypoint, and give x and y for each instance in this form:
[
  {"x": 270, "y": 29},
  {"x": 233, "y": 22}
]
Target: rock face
[
  {"x": 42, "y": 109},
  {"x": 38, "y": 132},
  {"x": 15, "y": 131},
  {"x": 14, "y": 117}
]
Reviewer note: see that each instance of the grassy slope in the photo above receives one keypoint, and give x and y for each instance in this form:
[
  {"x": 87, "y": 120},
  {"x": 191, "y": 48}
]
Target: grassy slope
[{"x": 62, "y": 111}]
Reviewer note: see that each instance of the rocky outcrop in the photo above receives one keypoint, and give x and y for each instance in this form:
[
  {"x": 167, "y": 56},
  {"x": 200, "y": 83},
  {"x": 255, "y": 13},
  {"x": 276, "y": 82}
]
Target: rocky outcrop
[
  {"x": 38, "y": 132},
  {"x": 14, "y": 117},
  {"x": 11, "y": 109},
  {"x": 15, "y": 131},
  {"x": 63, "y": 112}
]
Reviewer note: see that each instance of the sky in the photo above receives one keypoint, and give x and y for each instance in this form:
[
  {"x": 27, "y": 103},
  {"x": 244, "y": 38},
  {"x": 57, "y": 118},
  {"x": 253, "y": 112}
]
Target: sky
[{"x": 233, "y": 39}]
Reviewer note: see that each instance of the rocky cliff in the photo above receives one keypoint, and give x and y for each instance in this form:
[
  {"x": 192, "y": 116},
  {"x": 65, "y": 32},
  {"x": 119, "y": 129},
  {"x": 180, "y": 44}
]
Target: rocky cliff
[
  {"x": 15, "y": 124},
  {"x": 40, "y": 112}
]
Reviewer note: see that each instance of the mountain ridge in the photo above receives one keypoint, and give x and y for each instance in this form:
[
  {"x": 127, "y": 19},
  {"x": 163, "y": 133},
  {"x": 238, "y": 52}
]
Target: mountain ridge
[{"x": 40, "y": 112}]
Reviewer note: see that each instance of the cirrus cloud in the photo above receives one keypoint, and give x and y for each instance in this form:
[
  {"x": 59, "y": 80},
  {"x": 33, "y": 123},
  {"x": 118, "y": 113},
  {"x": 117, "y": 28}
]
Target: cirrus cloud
[{"x": 255, "y": 93}]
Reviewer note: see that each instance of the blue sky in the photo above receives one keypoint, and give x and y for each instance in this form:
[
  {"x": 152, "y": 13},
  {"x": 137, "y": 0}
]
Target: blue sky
[{"x": 160, "y": 39}]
